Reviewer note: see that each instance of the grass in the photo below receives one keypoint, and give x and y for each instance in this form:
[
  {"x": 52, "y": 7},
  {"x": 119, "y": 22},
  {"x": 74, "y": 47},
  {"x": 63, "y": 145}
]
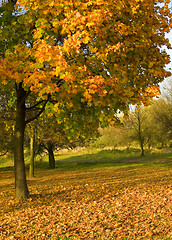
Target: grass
[
  {"x": 90, "y": 157},
  {"x": 107, "y": 158},
  {"x": 91, "y": 195}
]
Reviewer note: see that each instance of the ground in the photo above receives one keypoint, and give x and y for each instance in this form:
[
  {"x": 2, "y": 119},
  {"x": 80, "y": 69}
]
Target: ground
[{"x": 95, "y": 196}]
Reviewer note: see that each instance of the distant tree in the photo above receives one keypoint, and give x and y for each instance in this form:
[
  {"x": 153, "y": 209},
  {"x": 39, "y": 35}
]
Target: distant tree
[
  {"x": 136, "y": 127},
  {"x": 150, "y": 126},
  {"x": 51, "y": 136},
  {"x": 110, "y": 137},
  {"x": 162, "y": 111}
]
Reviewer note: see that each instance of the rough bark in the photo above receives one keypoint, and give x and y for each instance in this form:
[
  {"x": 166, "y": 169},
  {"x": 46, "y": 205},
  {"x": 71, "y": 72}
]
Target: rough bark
[
  {"x": 21, "y": 189},
  {"x": 141, "y": 138},
  {"x": 32, "y": 153},
  {"x": 51, "y": 156},
  {"x": 142, "y": 149}
]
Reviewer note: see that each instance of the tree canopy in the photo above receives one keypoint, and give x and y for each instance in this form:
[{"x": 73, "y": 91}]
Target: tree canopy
[{"x": 105, "y": 52}]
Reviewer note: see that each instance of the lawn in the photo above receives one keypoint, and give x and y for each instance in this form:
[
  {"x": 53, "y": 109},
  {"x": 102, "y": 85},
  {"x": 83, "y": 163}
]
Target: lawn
[{"x": 91, "y": 196}]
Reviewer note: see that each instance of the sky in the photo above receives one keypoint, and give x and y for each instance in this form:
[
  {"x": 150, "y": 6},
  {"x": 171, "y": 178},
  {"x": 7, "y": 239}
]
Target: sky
[{"x": 167, "y": 81}]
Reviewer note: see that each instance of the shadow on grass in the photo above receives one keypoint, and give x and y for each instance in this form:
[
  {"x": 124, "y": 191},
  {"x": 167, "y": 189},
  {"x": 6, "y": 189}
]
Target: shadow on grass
[
  {"x": 107, "y": 158},
  {"x": 9, "y": 168}
]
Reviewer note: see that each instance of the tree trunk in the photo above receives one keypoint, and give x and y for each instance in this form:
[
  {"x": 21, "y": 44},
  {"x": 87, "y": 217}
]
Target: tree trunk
[
  {"x": 149, "y": 143},
  {"x": 162, "y": 144},
  {"x": 142, "y": 149},
  {"x": 21, "y": 190},
  {"x": 141, "y": 138},
  {"x": 51, "y": 156},
  {"x": 32, "y": 152}
]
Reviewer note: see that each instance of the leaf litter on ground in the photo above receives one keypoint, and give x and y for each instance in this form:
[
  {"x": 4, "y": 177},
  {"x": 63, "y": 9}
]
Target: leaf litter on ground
[{"x": 116, "y": 202}]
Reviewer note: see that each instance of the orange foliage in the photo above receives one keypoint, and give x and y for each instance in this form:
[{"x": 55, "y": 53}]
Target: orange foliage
[{"x": 104, "y": 50}]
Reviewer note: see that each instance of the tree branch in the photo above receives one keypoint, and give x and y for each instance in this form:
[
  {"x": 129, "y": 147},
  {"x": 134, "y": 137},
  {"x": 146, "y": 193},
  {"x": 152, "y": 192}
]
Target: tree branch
[
  {"x": 34, "y": 106},
  {"x": 1, "y": 155},
  {"x": 39, "y": 113}
]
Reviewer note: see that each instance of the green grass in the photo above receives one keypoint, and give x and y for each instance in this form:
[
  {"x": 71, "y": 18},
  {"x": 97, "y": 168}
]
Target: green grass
[
  {"x": 106, "y": 158},
  {"x": 93, "y": 159},
  {"x": 6, "y": 162}
]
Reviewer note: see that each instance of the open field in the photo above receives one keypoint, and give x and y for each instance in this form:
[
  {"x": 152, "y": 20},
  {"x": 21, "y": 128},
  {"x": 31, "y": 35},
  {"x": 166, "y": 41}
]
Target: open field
[{"x": 92, "y": 196}]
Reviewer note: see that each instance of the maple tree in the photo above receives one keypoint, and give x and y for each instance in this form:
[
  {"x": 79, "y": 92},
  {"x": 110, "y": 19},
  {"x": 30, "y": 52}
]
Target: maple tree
[{"x": 97, "y": 53}]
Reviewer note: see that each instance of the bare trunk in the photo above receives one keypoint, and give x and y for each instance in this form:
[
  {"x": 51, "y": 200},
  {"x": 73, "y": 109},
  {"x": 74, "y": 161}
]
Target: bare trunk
[
  {"x": 32, "y": 152},
  {"x": 162, "y": 144},
  {"x": 21, "y": 190},
  {"x": 141, "y": 138},
  {"x": 142, "y": 149},
  {"x": 51, "y": 156}
]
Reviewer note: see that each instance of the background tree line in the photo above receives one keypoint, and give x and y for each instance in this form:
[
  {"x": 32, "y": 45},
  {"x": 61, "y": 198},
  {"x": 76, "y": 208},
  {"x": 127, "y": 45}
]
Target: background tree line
[{"x": 146, "y": 126}]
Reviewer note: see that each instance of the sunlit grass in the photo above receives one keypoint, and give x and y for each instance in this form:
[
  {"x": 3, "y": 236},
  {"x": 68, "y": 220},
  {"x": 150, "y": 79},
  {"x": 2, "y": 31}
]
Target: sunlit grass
[{"x": 87, "y": 156}]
